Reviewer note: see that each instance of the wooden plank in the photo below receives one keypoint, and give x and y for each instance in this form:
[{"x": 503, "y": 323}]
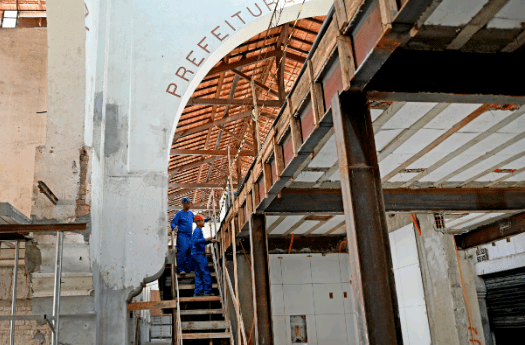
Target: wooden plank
[
  {"x": 295, "y": 129},
  {"x": 346, "y": 60},
  {"x": 200, "y": 298},
  {"x": 192, "y": 275},
  {"x": 316, "y": 95},
  {"x": 325, "y": 49},
  {"x": 302, "y": 89},
  {"x": 256, "y": 102},
  {"x": 234, "y": 102},
  {"x": 192, "y": 286},
  {"x": 352, "y": 7},
  {"x": 388, "y": 10},
  {"x": 476, "y": 113},
  {"x": 340, "y": 14},
  {"x": 52, "y": 227},
  {"x": 201, "y": 311},
  {"x": 206, "y": 335},
  {"x": 201, "y": 325},
  {"x": 152, "y": 305},
  {"x": 477, "y": 23},
  {"x": 184, "y": 152}
]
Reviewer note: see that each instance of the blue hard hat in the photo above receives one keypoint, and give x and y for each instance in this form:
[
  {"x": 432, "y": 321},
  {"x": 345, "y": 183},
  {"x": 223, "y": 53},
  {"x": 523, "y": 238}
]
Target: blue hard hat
[{"x": 185, "y": 201}]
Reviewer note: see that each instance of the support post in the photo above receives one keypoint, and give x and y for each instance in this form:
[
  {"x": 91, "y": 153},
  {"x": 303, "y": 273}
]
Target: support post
[
  {"x": 368, "y": 245},
  {"x": 261, "y": 280},
  {"x": 236, "y": 282},
  {"x": 56, "y": 292},
  {"x": 13, "y": 301}
]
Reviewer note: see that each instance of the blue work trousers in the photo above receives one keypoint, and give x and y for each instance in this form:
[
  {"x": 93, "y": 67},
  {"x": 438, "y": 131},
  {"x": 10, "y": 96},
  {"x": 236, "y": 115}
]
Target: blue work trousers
[
  {"x": 184, "y": 261},
  {"x": 202, "y": 274}
]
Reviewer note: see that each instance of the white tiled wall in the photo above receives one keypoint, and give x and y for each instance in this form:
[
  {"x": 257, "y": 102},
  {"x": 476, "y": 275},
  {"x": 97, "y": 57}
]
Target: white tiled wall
[
  {"x": 503, "y": 248},
  {"x": 301, "y": 285},
  {"x": 409, "y": 287}
]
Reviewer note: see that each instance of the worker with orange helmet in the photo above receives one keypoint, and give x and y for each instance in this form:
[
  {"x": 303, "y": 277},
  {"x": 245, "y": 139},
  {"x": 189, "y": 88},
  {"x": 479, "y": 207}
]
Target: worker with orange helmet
[{"x": 198, "y": 252}]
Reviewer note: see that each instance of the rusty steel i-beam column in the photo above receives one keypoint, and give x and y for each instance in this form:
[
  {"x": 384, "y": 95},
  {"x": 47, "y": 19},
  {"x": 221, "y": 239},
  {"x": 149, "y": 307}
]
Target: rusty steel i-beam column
[
  {"x": 261, "y": 280},
  {"x": 366, "y": 227}
]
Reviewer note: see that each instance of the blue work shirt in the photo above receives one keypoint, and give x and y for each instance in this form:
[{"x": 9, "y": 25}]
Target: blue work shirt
[
  {"x": 183, "y": 221},
  {"x": 199, "y": 242}
]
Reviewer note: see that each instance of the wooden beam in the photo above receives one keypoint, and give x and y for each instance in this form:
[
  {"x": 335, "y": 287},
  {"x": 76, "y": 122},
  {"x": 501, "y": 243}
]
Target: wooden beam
[
  {"x": 211, "y": 124},
  {"x": 152, "y": 305},
  {"x": 21, "y": 7},
  {"x": 234, "y": 102},
  {"x": 257, "y": 132},
  {"x": 516, "y": 44},
  {"x": 481, "y": 19},
  {"x": 182, "y": 152},
  {"x": 403, "y": 200},
  {"x": 258, "y": 84},
  {"x": 193, "y": 165},
  {"x": 476, "y": 113},
  {"x": 499, "y": 230},
  {"x": 53, "y": 227},
  {"x": 196, "y": 185},
  {"x": 242, "y": 62}
]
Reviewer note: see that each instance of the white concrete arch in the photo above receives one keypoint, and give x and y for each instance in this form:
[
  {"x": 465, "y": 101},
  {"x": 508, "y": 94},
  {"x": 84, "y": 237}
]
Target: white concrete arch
[{"x": 133, "y": 52}]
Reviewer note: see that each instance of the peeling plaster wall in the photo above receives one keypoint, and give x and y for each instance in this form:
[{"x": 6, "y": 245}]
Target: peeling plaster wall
[
  {"x": 23, "y": 93},
  {"x": 58, "y": 162}
]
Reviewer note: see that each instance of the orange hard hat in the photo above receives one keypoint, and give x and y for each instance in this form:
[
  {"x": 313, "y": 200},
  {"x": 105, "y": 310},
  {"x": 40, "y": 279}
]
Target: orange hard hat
[{"x": 198, "y": 217}]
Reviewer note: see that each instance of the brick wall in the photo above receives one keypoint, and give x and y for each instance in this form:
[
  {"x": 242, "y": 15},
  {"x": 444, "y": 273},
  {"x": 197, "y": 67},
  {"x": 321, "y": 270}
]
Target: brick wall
[{"x": 26, "y": 332}]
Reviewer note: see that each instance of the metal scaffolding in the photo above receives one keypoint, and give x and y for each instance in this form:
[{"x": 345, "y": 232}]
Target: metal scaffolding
[{"x": 24, "y": 229}]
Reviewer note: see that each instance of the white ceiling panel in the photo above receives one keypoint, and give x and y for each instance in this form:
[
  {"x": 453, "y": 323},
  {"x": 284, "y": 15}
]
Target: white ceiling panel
[
  {"x": 451, "y": 115},
  {"x": 286, "y": 224},
  {"x": 307, "y": 225},
  {"x": 461, "y": 219},
  {"x": 478, "y": 168},
  {"x": 486, "y": 120},
  {"x": 479, "y": 220},
  {"x": 513, "y": 149},
  {"x": 455, "y": 12},
  {"x": 339, "y": 231},
  {"x": 511, "y": 16},
  {"x": 392, "y": 161},
  {"x": 327, "y": 156},
  {"x": 451, "y": 166},
  {"x": 374, "y": 113},
  {"x": 419, "y": 140},
  {"x": 517, "y": 126},
  {"x": 309, "y": 176},
  {"x": 517, "y": 178},
  {"x": 408, "y": 115},
  {"x": 330, "y": 224},
  {"x": 335, "y": 176},
  {"x": 491, "y": 177},
  {"x": 490, "y": 143},
  {"x": 384, "y": 137},
  {"x": 403, "y": 177},
  {"x": 270, "y": 220}
]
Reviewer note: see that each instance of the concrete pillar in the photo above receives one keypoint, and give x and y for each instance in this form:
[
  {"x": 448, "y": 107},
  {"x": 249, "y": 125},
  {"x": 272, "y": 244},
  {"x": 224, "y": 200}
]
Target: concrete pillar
[
  {"x": 260, "y": 277},
  {"x": 366, "y": 227},
  {"x": 448, "y": 314}
]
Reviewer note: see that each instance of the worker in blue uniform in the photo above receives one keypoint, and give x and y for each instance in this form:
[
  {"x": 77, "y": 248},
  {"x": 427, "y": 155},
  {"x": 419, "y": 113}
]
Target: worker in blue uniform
[
  {"x": 183, "y": 221},
  {"x": 198, "y": 253}
]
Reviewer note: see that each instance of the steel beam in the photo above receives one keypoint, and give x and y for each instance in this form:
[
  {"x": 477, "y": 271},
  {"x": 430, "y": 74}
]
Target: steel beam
[
  {"x": 492, "y": 232},
  {"x": 260, "y": 277},
  {"x": 373, "y": 282},
  {"x": 404, "y": 200}
]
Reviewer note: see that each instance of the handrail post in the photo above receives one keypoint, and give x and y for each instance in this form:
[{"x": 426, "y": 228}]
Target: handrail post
[
  {"x": 13, "y": 301},
  {"x": 57, "y": 289}
]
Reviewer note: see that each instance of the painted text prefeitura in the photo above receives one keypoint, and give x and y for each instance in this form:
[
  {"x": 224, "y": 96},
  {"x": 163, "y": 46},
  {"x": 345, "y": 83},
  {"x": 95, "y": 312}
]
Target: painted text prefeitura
[{"x": 219, "y": 33}]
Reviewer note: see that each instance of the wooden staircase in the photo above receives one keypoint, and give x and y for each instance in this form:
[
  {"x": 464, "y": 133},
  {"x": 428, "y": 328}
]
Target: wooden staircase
[{"x": 200, "y": 320}]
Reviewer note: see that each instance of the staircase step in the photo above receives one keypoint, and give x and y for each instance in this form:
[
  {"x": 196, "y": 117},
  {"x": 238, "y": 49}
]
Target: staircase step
[
  {"x": 200, "y": 299},
  {"x": 201, "y": 312},
  {"x": 192, "y": 275},
  {"x": 192, "y": 286},
  {"x": 210, "y": 264},
  {"x": 200, "y": 325},
  {"x": 206, "y": 335}
]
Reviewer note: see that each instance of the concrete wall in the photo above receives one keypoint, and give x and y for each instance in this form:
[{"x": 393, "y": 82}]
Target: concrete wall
[
  {"x": 313, "y": 285},
  {"x": 23, "y": 94}
]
